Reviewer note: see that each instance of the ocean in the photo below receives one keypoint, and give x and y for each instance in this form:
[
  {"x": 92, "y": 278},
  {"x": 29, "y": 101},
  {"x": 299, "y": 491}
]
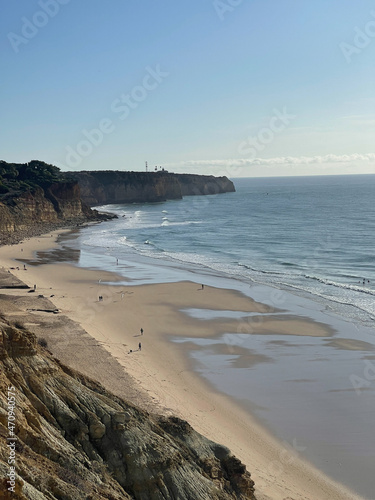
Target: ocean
[
  {"x": 305, "y": 245},
  {"x": 314, "y": 235}
]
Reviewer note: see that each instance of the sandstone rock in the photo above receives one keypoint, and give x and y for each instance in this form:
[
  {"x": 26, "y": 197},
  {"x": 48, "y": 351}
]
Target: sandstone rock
[
  {"x": 41, "y": 210},
  {"x": 97, "y": 430}
]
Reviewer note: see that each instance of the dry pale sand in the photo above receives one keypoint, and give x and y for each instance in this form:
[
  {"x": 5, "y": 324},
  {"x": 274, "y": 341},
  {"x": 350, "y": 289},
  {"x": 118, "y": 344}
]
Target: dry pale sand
[{"x": 162, "y": 369}]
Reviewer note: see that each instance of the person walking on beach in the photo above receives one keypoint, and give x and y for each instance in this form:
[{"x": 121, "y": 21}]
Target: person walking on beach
[
  {"x": 141, "y": 331},
  {"x": 140, "y": 346}
]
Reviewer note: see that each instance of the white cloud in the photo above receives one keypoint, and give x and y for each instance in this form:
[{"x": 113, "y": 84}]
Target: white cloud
[
  {"x": 284, "y": 165},
  {"x": 283, "y": 160}
]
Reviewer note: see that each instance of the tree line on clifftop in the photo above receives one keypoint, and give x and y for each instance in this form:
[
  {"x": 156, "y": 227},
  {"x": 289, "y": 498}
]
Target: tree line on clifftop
[{"x": 16, "y": 178}]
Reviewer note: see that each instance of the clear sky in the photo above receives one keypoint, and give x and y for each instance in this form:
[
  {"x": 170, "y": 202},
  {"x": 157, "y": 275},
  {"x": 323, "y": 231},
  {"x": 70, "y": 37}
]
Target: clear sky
[{"x": 229, "y": 87}]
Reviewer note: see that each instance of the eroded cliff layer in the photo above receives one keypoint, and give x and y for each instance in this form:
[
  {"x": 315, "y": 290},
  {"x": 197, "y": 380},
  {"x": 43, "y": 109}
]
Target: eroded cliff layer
[
  {"x": 42, "y": 209},
  {"x": 106, "y": 187},
  {"x": 77, "y": 441}
]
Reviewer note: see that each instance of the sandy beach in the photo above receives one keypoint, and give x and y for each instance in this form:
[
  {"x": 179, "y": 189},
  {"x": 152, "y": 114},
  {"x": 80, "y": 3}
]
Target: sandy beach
[{"x": 159, "y": 376}]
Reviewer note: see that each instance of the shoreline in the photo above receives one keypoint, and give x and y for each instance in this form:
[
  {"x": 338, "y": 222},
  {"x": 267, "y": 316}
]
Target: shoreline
[{"x": 162, "y": 369}]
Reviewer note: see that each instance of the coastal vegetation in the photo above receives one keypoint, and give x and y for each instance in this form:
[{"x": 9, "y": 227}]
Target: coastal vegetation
[{"x": 16, "y": 178}]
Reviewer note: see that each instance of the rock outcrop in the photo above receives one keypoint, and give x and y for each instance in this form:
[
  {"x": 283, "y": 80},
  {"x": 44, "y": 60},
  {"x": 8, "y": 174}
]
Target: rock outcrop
[
  {"x": 40, "y": 210},
  {"x": 106, "y": 187},
  {"x": 77, "y": 441},
  {"x": 192, "y": 184}
]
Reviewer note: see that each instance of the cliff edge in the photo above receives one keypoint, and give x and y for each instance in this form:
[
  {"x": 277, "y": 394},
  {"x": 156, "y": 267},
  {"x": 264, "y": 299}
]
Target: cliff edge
[
  {"x": 36, "y": 198},
  {"x": 77, "y": 441}
]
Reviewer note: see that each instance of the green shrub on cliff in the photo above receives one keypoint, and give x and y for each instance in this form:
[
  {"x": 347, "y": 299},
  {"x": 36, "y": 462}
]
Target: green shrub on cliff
[{"x": 16, "y": 178}]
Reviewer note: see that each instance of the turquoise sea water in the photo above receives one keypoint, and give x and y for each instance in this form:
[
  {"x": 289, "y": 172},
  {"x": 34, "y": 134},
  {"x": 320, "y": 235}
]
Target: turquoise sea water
[{"x": 303, "y": 245}]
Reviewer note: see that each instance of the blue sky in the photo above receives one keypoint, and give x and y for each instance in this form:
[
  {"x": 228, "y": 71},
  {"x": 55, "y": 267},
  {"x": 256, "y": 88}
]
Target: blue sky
[{"x": 231, "y": 87}]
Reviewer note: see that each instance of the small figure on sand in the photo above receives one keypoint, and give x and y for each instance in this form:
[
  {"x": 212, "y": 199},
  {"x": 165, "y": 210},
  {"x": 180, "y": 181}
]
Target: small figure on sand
[
  {"x": 34, "y": 288},
  {"x": 141, "y": 331},
  {"x": 24, "y": 267},
  {"x": 100, "y": 298},
  {"x": 202, "y": 287},
  {"x": 140, "y": 346}
]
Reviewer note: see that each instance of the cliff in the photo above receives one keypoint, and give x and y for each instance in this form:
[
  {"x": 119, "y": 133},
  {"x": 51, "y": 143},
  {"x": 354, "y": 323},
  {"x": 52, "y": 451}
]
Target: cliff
[
  {"x": 34, "y": 201},
  {"x": 192, "y": 184},
  {"x": 106, "y": 187},
  {"x": 36, "y": 198},
  {"x": 76, "y": 441}
]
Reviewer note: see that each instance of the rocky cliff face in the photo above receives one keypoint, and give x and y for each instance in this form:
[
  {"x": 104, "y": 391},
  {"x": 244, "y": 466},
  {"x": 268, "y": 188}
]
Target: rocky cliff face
[
  {"x": 105, "y": 187},
  {"x": 192, "y": 184},
  {"x": 77, "y": 441},
  {"x": 39, "y": 210},
  {"x": 99, "y": 188}
]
